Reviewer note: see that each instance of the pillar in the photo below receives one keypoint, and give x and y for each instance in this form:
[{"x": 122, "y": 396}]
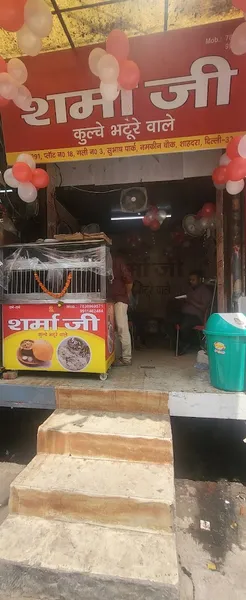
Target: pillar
[
  {"x": 236, "y": 252},
  {"x": 51, "y": 213},
  {"x": 221, "y": 296}
]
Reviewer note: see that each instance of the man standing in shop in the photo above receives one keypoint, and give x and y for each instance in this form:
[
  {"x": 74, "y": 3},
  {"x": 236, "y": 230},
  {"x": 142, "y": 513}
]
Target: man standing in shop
[{"x": 120, "y": 293}]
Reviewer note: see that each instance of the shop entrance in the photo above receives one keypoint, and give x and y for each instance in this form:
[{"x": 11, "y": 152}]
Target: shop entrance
[{"x": 160, "y": 261}]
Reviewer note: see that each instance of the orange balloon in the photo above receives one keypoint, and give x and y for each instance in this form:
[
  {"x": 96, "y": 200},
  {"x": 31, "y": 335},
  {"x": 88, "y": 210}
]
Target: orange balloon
[
  {"x": 241, "y": 4},
  {"x": 3, "y": 102},
  {"x": 12, "y": 14},
  {"x": 117, "y": 44},
  {"x": 232, "y": 148},
  {"x": 3, "y": 65},
  {"x": 22, "y": 172},
  {"x": 219, "y": 175},
  {"x": 40, "y": 178},
  {"x": 129, "y": 75},
  {"x": 236, "y": 169}
]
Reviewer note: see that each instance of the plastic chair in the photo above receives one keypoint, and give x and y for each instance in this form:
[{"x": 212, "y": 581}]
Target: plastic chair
[{"x": 198, "y": 328}]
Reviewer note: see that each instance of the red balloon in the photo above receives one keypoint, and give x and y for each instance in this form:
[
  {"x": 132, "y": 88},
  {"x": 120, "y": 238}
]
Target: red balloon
[
  {"x": 236, "y": 169},
  {"x": 40, "y": 178},
  {"x": 232, "y": 148},
  {"x": 208, "y": 209},
  {"x": 117, "y": 44},
  {"x": 147, "y": 220},
  {"x": 12, "y": 14},
  {"x": 241, "y": 4},
  {"x": 155, "y": 225},
  {"x": 129, "y": 75},
  {"x": 3, "y": 65},
  {"x": 3, "y": 102},
  {"x": 22, "y": 172},
  {"x": 219, "y": 175}
]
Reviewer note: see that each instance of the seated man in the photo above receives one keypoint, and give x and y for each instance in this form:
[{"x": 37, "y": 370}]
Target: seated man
[{"x": 193, "y": 310}]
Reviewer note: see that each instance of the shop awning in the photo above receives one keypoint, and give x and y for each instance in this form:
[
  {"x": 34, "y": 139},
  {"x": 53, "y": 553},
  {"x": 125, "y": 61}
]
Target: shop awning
[{"x": 83, "y": 22}]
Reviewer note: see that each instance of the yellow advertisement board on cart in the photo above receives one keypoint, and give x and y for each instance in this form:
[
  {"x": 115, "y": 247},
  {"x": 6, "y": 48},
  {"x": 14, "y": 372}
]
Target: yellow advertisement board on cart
[{"x": 75, "y": 338}]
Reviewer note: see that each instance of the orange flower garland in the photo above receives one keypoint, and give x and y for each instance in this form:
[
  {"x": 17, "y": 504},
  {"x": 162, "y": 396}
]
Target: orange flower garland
[{"x": 52, "y": 294}]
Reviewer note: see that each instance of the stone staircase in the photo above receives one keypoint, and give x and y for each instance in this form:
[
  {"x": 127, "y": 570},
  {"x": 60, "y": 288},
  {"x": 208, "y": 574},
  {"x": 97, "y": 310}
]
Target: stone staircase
[{"x": 92, "y": 516}]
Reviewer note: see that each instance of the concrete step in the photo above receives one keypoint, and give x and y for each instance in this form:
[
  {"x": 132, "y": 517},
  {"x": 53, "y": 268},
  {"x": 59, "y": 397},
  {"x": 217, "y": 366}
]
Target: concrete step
[
  {"x": 127, "y": 494},
  {"x": 113, "y": 400},
  {"x": 109, "y": 435},
  {"x": 42, "y": 559}
]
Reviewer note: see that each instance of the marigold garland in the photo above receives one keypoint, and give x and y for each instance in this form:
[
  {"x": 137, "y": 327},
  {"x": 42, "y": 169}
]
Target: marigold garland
[{"x": 52, "y": 294}]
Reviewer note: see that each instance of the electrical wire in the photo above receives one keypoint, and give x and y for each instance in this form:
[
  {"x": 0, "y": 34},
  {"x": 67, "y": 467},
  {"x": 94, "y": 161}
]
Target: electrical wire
[
  {"x": 60, "y": 173},
  {"x": 74, "y": 187}
]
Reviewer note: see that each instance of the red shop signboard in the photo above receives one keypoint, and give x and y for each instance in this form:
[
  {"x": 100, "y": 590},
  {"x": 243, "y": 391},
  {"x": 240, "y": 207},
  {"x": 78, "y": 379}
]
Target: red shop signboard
[{"x": 190, "y": 97}]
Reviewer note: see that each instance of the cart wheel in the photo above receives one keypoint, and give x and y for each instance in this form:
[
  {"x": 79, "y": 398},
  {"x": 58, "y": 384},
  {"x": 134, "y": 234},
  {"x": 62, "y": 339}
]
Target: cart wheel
[{"x": 103, "y": 376}]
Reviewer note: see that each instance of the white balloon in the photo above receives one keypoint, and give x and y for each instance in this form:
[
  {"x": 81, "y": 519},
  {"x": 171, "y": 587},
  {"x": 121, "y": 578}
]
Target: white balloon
[
  {"x": 234, "y": 187},
  {"x": 17, "y": 70},
  {"x": 23, "y": 98},
  {"x": 28, "y": 159},
  {"x": 212, "y": 224},
  {"x": 109, "y": 91},
  {"x": 238, "y": 40},
  {"x": 162, "y": 214},
  {"x": 94, "y": 58},
  {"x": 242, "y": 147},
  {"x": 27, "y": 192},
  {"x": 8, "y": 86},
  {"x": 38, "y": 17},
  {"x": 10, "y": 179},
  {"x": 204, "y": 222},
  {"x": 191, "y": 228},
  {"x": 198, "y": 228},
  {"x": 108, "y": 68},
  {"x": 224, "y": 160},
  {"x": 219, "y": 186},
  {"x": 28, "y": 42}
]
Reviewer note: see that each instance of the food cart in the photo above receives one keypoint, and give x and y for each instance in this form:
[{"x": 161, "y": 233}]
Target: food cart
[{"x": 56, "y": 316}]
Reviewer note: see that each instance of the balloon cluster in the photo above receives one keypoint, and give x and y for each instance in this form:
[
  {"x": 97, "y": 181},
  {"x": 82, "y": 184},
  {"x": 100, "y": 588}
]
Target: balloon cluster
[
  {"x": 206, "y": 217},
  {"x": 12, "y": 76},
  {"x": 196, "y": 225},
  {"x": 26, "y": 177},
  {"x": 154, "y": 218},
  {"x": 31, "y": 20},
  {"x": 113, "y": 67},
  {"x": 238, "y": 38},
  {"x": 232, "y": 167}
]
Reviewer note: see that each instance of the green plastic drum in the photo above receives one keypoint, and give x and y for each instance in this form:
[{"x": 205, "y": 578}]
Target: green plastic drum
[{"x": 226, "y": 345}]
